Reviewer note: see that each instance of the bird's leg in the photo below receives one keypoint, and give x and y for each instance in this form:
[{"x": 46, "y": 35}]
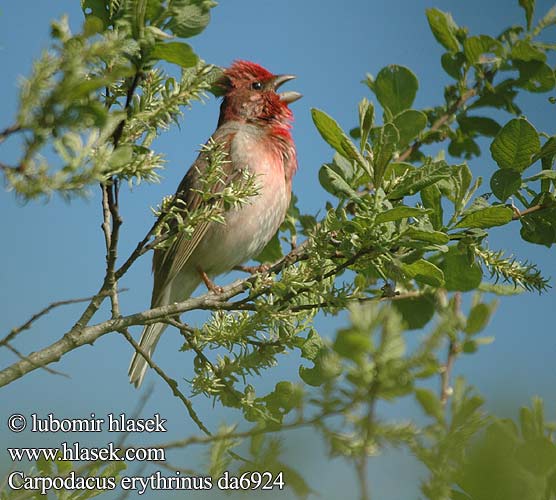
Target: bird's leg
[
  {"x": 208, "y": 282},
  {"x": 262, "y": 268}
]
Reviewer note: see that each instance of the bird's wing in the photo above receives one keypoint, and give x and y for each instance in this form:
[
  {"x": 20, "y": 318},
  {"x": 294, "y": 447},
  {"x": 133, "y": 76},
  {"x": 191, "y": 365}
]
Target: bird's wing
[{"x": 167, "y": 263}]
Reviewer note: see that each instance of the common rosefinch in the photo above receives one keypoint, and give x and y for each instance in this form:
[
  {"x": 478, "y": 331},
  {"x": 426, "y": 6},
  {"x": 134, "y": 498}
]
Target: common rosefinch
[{"x": 254, "y": 130}]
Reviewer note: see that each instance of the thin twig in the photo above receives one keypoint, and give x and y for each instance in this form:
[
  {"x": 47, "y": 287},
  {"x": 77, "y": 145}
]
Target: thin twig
[
  {"x": 172, "y": 384},
  {"x": 25, "y": 326},
  {"x": 80, "y": 334},
  {"x": 175, "y": 391},
  {"x": 200, "y": 440},
  {"x": 110, "y": 206},
  {"x": 136, "y": 413},
  {"x": 12, "y": 129},
  {"x": 518, "y": 214},
  {"x": 45, "y": 368}
]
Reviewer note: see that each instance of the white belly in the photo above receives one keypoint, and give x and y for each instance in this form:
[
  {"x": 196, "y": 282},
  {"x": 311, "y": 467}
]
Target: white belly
[{"x": 250, "y": 228}]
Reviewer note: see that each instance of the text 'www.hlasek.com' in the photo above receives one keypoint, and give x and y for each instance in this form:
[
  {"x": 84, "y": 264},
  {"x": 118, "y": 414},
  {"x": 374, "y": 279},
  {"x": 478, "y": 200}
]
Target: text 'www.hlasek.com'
[{"x": 55, "y": 468}]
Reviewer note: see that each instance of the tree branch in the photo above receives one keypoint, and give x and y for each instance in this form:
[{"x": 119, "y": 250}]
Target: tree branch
[
  {"x": 25, "y": 326},
  {"x": 80, "y": 334},
  {"x": 12, "y": 129},
  {"x": 518, "y": 214},
  {"x": 172, "y": 384},
  {"x": 45, "y": 368}
]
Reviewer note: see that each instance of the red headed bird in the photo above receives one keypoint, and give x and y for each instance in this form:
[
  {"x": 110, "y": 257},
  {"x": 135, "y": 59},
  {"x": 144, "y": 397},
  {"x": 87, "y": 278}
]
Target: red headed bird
[{"x": 254, "y": 130}]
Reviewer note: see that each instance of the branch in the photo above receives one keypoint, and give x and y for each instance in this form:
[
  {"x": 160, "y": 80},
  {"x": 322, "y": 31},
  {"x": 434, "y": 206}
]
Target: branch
[
  {"x": 518, "y": 214},
  {"x": 45, "y": 368},
  {"x": 174, "y": 388},
  {"x": 25, "y": 326},
  {"x": 110, "y": 211},
  {"x": 12, "y": 129},
  {"x": 183, "y": 443},
  {"x": 442, "y": 120},
  {"x": 170, "y": 382},
  {"x": 80, "y": 334}
]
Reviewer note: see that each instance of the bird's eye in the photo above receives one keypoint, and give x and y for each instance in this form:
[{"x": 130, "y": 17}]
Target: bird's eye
[{"x": 256, "y": 85}]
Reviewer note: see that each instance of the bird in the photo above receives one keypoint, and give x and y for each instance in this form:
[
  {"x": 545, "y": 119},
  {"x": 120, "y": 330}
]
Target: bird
[{"x": 254, "y": 131}]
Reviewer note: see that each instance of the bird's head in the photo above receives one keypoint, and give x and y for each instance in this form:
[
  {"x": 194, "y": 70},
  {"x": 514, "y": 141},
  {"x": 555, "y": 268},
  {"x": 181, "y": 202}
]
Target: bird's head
[{"x": 251, "y": 95}]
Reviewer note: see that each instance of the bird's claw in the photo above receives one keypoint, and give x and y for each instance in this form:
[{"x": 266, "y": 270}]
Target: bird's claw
[
  {"x": 212, "y": 287},
  {"x": 262, "y": 268}
]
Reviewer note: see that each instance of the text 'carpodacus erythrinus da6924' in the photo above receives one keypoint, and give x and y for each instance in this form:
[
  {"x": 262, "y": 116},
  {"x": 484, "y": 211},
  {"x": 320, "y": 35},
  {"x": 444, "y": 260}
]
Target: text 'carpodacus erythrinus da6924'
[{"x": 254, "y": 132}]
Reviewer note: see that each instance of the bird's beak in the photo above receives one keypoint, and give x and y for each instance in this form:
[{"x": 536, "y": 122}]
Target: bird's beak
[{"x": 289, "y": 96}]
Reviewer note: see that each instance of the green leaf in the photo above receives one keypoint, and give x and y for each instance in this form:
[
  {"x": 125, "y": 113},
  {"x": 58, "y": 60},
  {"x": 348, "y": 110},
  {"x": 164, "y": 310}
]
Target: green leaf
[
  {"x": 478, "y": 318},
  {"x": 419, "y": 178},
  {"x": 271, "y": 252},
  {"x": 416, "y": 312},
  {"x": 479, "y": 124},
  {"x": 395, "y": 88},
  {"x": 385, "y": 140},
  {"x": 98, "y": 9},
  {"x": 121, "y": 156},
  {"x": 505, "y": 183},
  {"x": 477, "y": 48},
  {"x": 175, "y": 52},
  {"x": 366, "y": 119},
  {"x": 461, "y": 179},
  {"x": 400, "y": 212},
  {"x": 352, "y": 344},
  {"x": 430, "y": 403},
  {"x": 334, "y": 183},
  {"x": 285, "y": 397},
  {"x": 409, "y": 123},
  {"x": 470, "y": 346},
  {"x": 92, "y": 25},
  {"x": 537, "y": 456},
  {"x": 332, "y": 133},
  {"x": 487, "y": 217},
  {"x": 462, "y": 146},
  {"x": 312, "y": 346},
  {"x": 328, "y": 128},
  {"x": 432, "y": 199},
  {"x": 425, "y": 272},
  {"x": 326, "y": 367},
  {"x": 548, "y": 149},
  {"x": 535, "y": 76},
  {"x": 154, "y": 9},
  {"x": 189, "y": 17},
  {"x": 515, "y": 145},
  {"x": 452, "y": 64},
  {"x": 529, "y": 7},
  {"x": 435, "y": 237},
  {"x": 443, "y": 28},
  {"x": 524, "y": 50},
  {"x": 539, "y": 227},
  {"x": 460, "y": 272}
]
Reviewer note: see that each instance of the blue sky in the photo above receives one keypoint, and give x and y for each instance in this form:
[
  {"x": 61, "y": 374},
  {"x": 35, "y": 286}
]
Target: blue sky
[{"x": 54, "y": 250}]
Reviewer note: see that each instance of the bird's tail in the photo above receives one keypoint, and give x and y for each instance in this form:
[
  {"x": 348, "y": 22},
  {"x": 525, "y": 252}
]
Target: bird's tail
[
  {"x": 179, "y": 289},
  {"x": 149, "y": 338}
]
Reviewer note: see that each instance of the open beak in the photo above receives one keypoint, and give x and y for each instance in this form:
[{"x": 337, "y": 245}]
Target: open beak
[{"x": 289, "y": 96}]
